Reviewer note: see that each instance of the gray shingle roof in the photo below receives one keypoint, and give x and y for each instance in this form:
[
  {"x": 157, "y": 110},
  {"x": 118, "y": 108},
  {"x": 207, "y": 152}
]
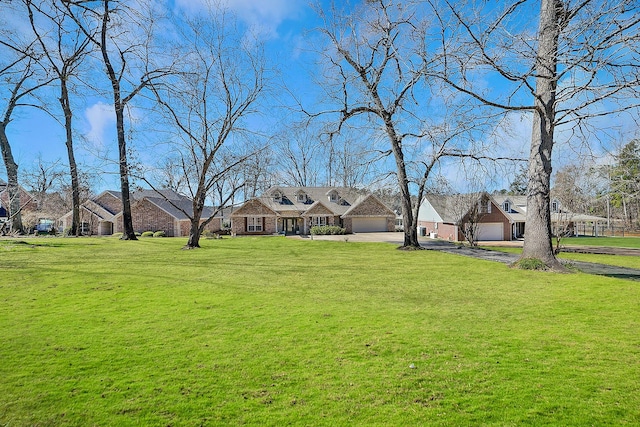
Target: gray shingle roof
[
  {"x": 176, "y": 206},
  {"x": 290, "y": 202},
  {"x": 517, "y": 206},
  {"x": 169, "y": 201},
  {"x": 451, "y": 208}
]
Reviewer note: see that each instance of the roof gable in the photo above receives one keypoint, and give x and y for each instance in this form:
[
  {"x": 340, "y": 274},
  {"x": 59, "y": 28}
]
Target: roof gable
[
  {"x": 166, "y": 193},
  {"x": 289, "y": 204},
  {"x": 369, "y": 205},
  {"x": 318, "y": 208},
  {"x": 451, "y": 209},
  {"x": 254, "y": 207}
]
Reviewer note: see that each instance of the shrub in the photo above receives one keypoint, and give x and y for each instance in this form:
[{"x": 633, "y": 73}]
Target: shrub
[
  {"x": 209, "y": 234},
  {"x": 159, "y": 234},
  {"x": 327, "y": 230},
  {"x": 117, "y": 235},
  {"x": 530, "y": 264},
  {"x": 147, "y": 234}
]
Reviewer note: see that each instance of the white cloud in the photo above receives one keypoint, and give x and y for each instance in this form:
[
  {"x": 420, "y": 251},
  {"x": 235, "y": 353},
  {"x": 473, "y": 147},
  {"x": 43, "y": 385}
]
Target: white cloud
[
  {"x": 100, "y": 117},
  {"x": 262, "y": 16}
]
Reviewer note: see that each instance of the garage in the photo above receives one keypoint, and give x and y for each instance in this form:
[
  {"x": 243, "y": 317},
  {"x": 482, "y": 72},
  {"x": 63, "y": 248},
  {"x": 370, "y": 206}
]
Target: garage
[
  {"x": 369, "y": 225},
  {"x": 490, "y": 231}
]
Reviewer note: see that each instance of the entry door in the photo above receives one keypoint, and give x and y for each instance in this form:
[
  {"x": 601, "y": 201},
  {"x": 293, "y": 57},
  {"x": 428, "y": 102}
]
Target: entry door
[{"x": 290, "y": 225}]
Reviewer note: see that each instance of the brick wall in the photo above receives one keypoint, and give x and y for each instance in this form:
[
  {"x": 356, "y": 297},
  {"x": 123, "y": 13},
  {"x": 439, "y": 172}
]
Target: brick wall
[
  {"x": 391, "y": 224},
  {"x": 214, "y": 226},
  {"x": 497, "y": 215},
  {"x": 27, "y": 203},
  {"x": 445, "y": 231},
  {"x": 239, "y": 226},
  {"x": 147, "y": 217},
  {"x": 110, "y": 202},
  {"x": 347, "y": 224}
]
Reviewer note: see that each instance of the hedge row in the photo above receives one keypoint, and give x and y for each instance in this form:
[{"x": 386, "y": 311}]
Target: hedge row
[
  {"x": 319, "y": 230},
  {"x": 152, "y": 234}
]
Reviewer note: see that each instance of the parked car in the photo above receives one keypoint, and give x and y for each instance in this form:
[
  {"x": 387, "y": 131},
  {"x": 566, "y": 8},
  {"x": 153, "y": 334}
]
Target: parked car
[{"x": 45, "y": 226}]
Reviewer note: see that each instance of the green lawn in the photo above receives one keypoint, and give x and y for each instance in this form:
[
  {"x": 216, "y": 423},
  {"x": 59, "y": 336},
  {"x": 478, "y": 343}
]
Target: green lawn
[
  {"x": 272, "y": 331},
  {"x": 615, "y": 242}
]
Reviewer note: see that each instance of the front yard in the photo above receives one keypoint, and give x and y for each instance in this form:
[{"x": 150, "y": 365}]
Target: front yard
[{"x": 272, "y": 331}]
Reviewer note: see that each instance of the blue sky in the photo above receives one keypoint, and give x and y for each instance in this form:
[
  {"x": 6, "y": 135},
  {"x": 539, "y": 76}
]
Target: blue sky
[
  {"x": 283, "y": 24},
  {"x": 287, "y": 27}
]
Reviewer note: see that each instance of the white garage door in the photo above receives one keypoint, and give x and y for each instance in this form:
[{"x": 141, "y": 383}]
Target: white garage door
[
  {"x": 490, "y": 231},
  {"x": 369, "y": 225}
]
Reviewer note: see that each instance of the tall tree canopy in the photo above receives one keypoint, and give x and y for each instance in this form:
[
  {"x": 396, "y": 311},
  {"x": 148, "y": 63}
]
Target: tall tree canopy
[{"x": 579, "y": 64}]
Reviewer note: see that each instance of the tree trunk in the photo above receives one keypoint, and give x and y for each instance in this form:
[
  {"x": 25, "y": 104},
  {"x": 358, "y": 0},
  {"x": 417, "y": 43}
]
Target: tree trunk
[
  {"x": 127, "y": 233},
  {"x": 194, "y": 235},
  {"x": 195, "y": 230},
  {"x": 12, "y": 182},
  {"x": 410, "y": 222},
  {"x": 537, "y": 243},
  {"x": 76, "y": 230}
]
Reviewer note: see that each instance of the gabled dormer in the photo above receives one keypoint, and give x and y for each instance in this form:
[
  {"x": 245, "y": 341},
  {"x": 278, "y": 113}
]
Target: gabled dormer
[
  {"x": 484, "y": 204},
  {"x": 277, "y": 196},
  {"x": 333, "y": 196},
  {"x": 506, "y": 205},
  {"x": 302, "y": 197}
]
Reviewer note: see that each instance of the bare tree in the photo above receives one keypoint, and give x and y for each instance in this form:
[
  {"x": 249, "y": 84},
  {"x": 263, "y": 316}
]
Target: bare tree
[
  {"x": 43, "y": 176},
  {"x": 208, "y": 105},
  {"x": 572, "y": 189},
  {"x": 170, "y": 176},
  {"x": 352, "y": 160},
  {"x": 579, "y": 64},
  {"x": 376, "y": 67},
  {"x": 469, "y": 209},
  {"x": 21, "y": 77},
  {"x": 300, "y": 156},
  {"x": 63, "y": 47},
  {"x": 258, "y": 173},
  {"x": 127, "y": 60},
  {"x": 625, "y": 180}
]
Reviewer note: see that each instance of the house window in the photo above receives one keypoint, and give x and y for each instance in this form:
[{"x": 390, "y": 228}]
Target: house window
[
  {"x": 485, "y": 206},
  {"x": 507, "y": 207},
  {"x": 333, "y": 197},
  {"x": 555, "y": 206},
  {"x": 85, "y": 228},
  {"x": 254, "y": 223},
  {"x": 277, "y": 197},
  {"x": 318, "y": 221},
  {"x": 302, "y": 197}
]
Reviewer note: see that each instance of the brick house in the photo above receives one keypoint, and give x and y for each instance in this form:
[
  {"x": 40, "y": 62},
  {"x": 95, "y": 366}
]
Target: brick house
[
  {"x": 444, "y": 216},
  {"x": 562, "y": 219},
  {"x": 294, "y": 210},
  {"x": 27, "y": 202},
  {"x": 162, "y": 210}
]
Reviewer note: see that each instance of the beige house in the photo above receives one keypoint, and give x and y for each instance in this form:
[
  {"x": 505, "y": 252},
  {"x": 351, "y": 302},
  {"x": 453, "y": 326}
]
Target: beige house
[
  {"x": 444, "y": 216},
  {"x": 295, "y": 210},
  {"x": 562, "y": 219},
  {"x": 163, "y": 210}
]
